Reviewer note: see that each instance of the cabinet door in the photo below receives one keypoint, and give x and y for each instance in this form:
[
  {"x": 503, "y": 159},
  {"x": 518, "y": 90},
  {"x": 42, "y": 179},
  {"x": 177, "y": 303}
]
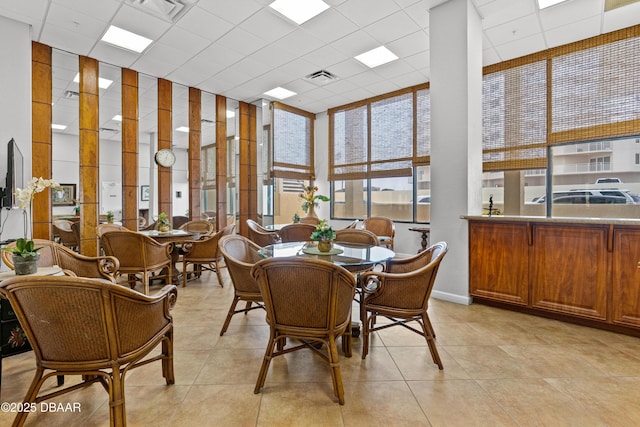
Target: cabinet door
[
  {"x": 569, "y": 269},
  {"x": 626, "y": 277},
  {"x": 499, "y": 261}
]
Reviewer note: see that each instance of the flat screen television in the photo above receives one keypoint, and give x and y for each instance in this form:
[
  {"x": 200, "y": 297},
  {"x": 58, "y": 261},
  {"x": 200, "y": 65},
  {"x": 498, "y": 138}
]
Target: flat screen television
[{"x": 15, "y": 175}]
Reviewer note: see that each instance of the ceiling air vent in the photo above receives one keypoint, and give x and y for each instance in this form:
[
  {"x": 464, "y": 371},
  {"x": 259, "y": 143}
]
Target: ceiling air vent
[
  {"x": 614, "y": 4},
  {"x": 321, "y": 77},
  {"x": 168, "y": 10},
  {"x": 109, "y": 130},
  {"x": 71, "y": 94}
]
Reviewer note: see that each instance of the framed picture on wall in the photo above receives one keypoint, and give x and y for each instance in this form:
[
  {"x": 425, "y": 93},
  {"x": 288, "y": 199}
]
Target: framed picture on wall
[
  {"x": 144, "y": 193},
  {"x": 64, "y": 196}
]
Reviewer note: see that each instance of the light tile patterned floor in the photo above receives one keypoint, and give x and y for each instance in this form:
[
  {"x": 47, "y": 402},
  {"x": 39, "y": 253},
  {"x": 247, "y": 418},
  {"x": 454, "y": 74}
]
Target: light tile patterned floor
[{"x": 501, "y": 369}]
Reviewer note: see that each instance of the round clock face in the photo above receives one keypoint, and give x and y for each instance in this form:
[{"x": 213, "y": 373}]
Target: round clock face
[{"x": 165, "y": 157}]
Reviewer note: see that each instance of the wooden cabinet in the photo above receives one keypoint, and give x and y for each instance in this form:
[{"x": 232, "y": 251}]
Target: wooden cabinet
[
  {"x": 499, "y": 261},
  {"x": 625, "y": 292},
  {"x": 569, "y": 269},
  {"x": 586, "y": 271}
]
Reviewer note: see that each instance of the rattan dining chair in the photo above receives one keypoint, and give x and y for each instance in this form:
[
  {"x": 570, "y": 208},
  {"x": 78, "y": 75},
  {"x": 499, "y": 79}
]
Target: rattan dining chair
[
  {"x": 69, "y": 233},
  {"x": 298, "y": 232},
  {"x": 308, "y": 300},
  {"x": 93, "y": 329},
  {"x": 139, "y": 255},
  {"x": 382, "y": 227},
  {"x": 260, "y": 235},
  {"x": 401, "y": 294},
  {"x": 204, "y": 254},
  {"x": 200, "y": 226},
  {"x": 52, "y": 253},
  {"x": 353, "y": 235},
  {"x": 240, "y": 255}
]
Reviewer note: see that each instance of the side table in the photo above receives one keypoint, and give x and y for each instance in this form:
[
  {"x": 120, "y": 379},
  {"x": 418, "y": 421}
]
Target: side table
[{"x": 425, "y": 236}]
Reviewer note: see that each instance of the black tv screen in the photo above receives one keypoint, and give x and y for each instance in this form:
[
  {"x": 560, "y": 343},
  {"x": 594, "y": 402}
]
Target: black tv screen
[{"x": 15, "y": 174}]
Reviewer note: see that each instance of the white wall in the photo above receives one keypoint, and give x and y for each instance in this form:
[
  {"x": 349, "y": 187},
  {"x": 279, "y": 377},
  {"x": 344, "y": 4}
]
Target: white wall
[{"x": 15, "y": 109}]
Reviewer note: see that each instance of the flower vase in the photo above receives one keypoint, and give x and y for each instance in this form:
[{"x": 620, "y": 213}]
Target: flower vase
[
  {"x": 311, "y": 212},
  {"x": 25, "y": 265},
  {"x": 324, "y": 245},
  {"x": 164, "y": 228}
]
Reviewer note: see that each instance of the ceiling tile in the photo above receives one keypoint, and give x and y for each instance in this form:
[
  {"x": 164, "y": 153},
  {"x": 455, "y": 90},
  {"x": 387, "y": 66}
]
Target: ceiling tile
[
  {"x": 502, "y": 11},
  {"x": 207, "y": 25},
  {"x": 571, "y": 11},
  {"x": 521, "y": 47},
  {"x": 330, "y": 19},
  {"x": 573, "y": 32},
  {"x": 136, "y": 21},
  {"x": 355, "y": 43},
  {"x": 622, "y": 17},
  {"x": 410, "y": 45},
  {"x": 231, "y": 11},
  {"x": 184, "y": 40},
  {"x": 514, "y": 30},
  {"x": 299, "y": 42},
  {"x": 325, "y": 57},
  {"x": 267, "y": 25},
  {"x": 391, "y": 28},
  {"x": 362, "y": 13},
  {"x": 66, "y": 39},
  {"x": 241, "y": 41},
  {"x": 272, "y": 56}
]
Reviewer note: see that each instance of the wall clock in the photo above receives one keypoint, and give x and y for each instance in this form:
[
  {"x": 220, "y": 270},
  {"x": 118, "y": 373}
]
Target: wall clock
[{"x": 165, "y": 157}]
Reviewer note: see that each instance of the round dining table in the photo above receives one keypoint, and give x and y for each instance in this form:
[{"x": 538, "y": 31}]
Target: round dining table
[
  {"x": 176, "y": 237},
  {"x": 350, "y": 255}
]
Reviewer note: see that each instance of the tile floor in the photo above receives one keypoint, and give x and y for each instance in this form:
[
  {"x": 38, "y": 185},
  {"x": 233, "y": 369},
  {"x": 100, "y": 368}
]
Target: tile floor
[{"x": 500, "y": 369}]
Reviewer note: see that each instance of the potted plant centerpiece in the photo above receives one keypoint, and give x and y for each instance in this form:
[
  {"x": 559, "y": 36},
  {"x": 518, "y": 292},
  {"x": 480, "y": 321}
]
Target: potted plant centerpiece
[
  {"x": 110, "y": 216},
  {"x": 25, "y": 256},
  {"x": 324, "y": 235},
  {"x": 163, "y": 223}
]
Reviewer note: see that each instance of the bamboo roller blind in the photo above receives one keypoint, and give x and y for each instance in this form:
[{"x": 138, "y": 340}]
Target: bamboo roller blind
[{"x": 293, "y": 144}]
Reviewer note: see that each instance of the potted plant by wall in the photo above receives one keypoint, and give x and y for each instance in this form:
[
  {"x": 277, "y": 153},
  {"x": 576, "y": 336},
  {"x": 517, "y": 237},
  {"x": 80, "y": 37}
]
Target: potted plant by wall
[
  {"x": 25, "y": 256},
  {"x": 163, "y": 223},
  {"x": 110, "y": 216},
  {"x": 310, "y": 200}
]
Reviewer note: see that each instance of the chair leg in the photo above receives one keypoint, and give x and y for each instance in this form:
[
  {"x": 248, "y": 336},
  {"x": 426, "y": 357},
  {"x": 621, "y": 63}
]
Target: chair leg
[
  {"x": 116, "y": 399},
  {"x": 426, "y": 327},
  {"x": 184, "y": 273},
  {"x": 230, "y": 314},
  {"x": 365, "y": 328},
  {"x": 30, "y": 396},
  {"x": 346, "y": 341},
  {"x": 268, "y": 355},
  {"x": 167, "y": 361},
  {"x": 336, "y": 374},
  {"x": 217, "y": 268},
  {"x": 145, "y": 282}
]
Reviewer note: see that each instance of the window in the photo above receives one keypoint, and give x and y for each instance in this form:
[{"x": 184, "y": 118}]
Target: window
[
  {"x": 292, "y": 142},
  {"x": 375, "y": 148}
]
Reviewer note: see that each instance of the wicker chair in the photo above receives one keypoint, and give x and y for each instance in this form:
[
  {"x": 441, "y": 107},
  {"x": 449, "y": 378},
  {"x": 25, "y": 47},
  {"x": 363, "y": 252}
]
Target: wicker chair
[
  {"x": 139, "y": 254},
  {"x": 200, "y": 226},
  {"x": 203, "y": 254},
  {"x": 240, "y": 255},
  {"x": 88, "y": 332},
  {"x": 309, "y": 300},
  {"x": 52, "y": 253},
  {"x": 352, "y": 235},
  {"x": 310, "y": 220},
  {"x": 401, "y": 294},
  {"x": 260, "y": 235},
  {"x": 103, "y": 228},
  {"x": 298, "y": 232},
  {"x": 382, "y": 227},
  {"x": 69, "y": 233},
  {"x": 178, "y": 221}
]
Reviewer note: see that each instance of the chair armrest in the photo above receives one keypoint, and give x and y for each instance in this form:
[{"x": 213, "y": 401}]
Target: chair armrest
[{"x": 84, "y": 266}]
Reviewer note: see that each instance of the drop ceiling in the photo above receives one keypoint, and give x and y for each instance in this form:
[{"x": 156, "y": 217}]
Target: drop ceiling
[{"x": 241, "y": 48}]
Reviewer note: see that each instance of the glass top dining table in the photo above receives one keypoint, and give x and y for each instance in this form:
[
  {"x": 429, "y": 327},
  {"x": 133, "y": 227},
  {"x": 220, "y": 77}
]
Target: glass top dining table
[{"x": 342, "y": 253}]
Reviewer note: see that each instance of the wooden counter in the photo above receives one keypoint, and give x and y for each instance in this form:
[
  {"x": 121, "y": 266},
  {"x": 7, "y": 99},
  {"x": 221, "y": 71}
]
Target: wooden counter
[{"x": 584, "y": 270}]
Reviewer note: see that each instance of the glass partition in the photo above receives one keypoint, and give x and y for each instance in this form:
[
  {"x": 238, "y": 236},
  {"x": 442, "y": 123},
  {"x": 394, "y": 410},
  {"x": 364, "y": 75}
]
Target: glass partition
[
  {"x": 208, "y": 200},
  {"x": 180, "y": 142},
  {"x": 147, "y": 143},
  {"x": 233, "y": 159}
]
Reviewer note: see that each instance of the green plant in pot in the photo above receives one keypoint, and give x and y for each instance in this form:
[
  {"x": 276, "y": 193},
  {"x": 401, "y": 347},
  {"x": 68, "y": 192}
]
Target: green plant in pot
[
  {"x": 25, "y": 256},
  {"x": 163, "y": 222},
  {"x": 110, "y": 217},
  {"x": 324, "y": 235}
]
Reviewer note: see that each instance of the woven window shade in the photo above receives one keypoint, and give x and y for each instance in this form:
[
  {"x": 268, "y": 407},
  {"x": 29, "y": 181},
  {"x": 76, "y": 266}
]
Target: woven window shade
[
  {"x": 348, "y": 153},
  {"x": 514, "y": 118},
  {"x": 392, "y": 137},
  {"x": 596, "y": 90},
  {"x": 422, "y": 150},
  {"x": 292, "y": 143}
]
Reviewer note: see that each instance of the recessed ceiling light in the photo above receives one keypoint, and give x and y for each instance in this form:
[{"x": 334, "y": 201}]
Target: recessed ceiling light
[
  {"x": 378, "y": 56},
  {"x": 126, "y": 39},
  {"x": 117, "y": 118},
  {"x": 280, "y": 93},
  {"x": 58, "y": 127},
  {"x": 182, "y": 129},
  {"x": 299, "y": 11},
  {"x": 547, "y": 3},
  {"x": 102, "y": 83}
]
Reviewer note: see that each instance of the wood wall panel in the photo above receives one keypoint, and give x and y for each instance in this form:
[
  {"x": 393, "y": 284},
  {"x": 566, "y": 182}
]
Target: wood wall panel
[
  {"x": 130, "y": 149},
  {"x": 248, "y": 199},
  {"x": 569, "y": 269},
  {"x": 626, "y": 277},
  {"x": 41, "y": 163},
  {"x": 221, "y": 162},
  {"x": 499, "y": 261},
  {"x": 195, "y": 136},
  {"x": 89, "y": 155},
  {"x": 165, "y": 137}
]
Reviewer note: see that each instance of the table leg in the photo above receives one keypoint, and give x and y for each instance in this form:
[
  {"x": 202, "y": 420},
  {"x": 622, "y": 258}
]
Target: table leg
[{"x": 424, "y": 242}]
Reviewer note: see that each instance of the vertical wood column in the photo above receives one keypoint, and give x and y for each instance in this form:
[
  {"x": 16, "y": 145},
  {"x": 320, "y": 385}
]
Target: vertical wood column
[
  {"x": 195, "y": 134},
  {"x": 41, "y": 111},
  {"x": 165, "y": 135},
  {"x": 221, "y": 162},
  {"x": 130, "y": 149},
  {"x": 248, "y": 196},
  {"x": 89, "y": 155}
]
